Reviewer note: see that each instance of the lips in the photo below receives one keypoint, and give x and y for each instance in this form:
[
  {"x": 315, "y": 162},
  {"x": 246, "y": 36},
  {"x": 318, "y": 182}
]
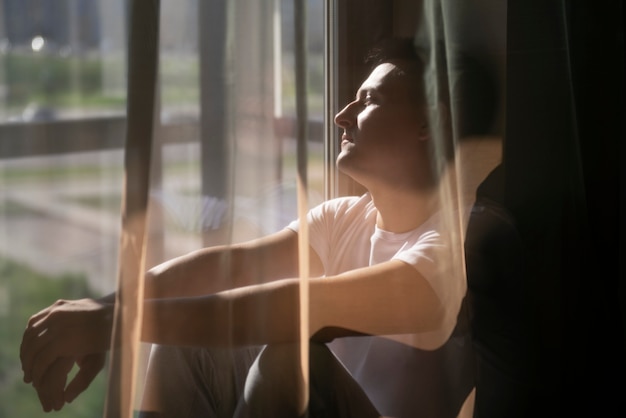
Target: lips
[{"x": 345, "y": 138}]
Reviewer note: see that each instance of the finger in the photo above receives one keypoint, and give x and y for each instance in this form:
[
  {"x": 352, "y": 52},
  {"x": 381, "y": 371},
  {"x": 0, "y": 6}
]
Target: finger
[
  {"x": 43, "y": 360},
  {"x": 39, "y": 315},
  {"x": 44, "y": 400},
  {"x": 36, "y": 323},
  {"x": 51, "y": 388},
  {"x": 90, "y": 366},
  {"x": 32, "y": 342}
]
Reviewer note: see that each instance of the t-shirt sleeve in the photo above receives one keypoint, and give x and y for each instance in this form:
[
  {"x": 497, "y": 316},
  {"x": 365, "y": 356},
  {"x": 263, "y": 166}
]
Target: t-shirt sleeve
[
  {"x": 339, "y": 232},
  {"x": 318, "y": 219},
  {"x": 426, "y": 256},
  {"x": 433, "y": 256}
]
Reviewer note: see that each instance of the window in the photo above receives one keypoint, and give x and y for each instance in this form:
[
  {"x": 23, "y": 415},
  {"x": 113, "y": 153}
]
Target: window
[
  {"x": 241, "y": 98},
  {"x": 63, "y": 99}
]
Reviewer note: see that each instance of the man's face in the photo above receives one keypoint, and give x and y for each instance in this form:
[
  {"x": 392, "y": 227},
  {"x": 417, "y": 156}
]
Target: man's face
[{"x": 383, "y": 128}]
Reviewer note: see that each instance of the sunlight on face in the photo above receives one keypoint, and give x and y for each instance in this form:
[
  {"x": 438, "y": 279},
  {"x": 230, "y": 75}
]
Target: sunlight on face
[{"x": 382, "y": 128}]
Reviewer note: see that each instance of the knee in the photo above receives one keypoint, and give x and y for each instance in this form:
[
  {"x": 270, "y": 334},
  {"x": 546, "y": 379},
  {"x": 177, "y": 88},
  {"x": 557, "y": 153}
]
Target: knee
[
  {"x": 194, "y": 381},
  {"x": 275, "y": 385}
]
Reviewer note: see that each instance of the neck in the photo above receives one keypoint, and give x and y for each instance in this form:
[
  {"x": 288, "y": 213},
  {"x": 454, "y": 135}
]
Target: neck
[{"x": 404, "y": 210}]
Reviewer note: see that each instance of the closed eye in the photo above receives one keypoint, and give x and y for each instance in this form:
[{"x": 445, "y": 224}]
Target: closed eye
[
  {"x": 366, "y": 97},
  {"x": 369, "y": 100}
]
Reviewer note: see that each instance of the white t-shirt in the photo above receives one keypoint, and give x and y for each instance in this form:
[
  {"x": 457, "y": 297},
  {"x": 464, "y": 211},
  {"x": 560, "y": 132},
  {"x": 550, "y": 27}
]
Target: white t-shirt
[{"x": 344, "y": 234}]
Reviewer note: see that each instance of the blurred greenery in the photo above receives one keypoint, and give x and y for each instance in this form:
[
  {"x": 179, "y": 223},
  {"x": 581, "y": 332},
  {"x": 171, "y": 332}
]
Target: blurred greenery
[
  {"x": 60, "y": 82},
  {"x": 55, "y": 80},
  {"x": 24, "y": 292},
  {"x": 53, "y": 173}
]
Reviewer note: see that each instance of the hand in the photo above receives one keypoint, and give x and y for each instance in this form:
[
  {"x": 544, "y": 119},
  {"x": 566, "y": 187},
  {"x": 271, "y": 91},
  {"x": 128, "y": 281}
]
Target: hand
[
  {"x": 88, "y": 368},
  {"x": 66, "y": 329},
  {"x": 53, "y": 393},
  {"x": 51, "y": 389}
]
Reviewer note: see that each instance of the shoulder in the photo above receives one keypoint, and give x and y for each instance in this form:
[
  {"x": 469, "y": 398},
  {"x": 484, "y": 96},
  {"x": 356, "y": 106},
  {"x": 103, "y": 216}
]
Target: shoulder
[
  {"x": 347, "y": 204},
  {"x": 340, "y": 209}
]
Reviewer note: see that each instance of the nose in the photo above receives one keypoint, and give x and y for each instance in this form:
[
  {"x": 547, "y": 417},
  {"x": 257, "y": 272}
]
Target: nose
[{"x": 345, "y": 118}]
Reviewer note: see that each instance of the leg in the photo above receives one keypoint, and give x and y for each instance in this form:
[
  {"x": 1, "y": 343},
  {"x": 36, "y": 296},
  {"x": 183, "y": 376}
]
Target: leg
[
  {"x": 274, "y": 386},
  {"x": 333, "y": 390},
  {"x": 189, "y": 382}
]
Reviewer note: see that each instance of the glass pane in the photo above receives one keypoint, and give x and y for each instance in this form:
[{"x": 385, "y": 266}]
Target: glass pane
[
  {"x": 257, "y": 171},
  {"x": 224, "y": 167},
  {"x": 62, "y": 59},
  {"x": 62, "y": 106}
]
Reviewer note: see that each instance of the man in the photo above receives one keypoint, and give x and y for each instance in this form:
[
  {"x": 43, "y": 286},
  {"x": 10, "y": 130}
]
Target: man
[{"x": 380, "y": 265}]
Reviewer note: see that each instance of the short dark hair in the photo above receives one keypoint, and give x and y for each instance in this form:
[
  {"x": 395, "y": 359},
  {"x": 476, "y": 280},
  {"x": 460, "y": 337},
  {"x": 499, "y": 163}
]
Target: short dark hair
[
  {"x": 392, "y": 49},
  {"x": 410, "y": 61},
  {"x": 400, "y": 51}
]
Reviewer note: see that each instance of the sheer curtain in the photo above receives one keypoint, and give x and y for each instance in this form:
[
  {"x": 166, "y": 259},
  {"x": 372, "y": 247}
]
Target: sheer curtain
[
  {"x": 210, "y": 122},
  {"x": 244, "y": 186},
  {"x": 238, "y": 88}
]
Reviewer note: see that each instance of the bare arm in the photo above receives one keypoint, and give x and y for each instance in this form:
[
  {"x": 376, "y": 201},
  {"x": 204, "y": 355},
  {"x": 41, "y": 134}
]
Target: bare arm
[
  {"x": 214, "y": 269},
  {"x": 385, "y": 299},
  {"x": 81, "y": 329},
  {"x": 389, "y": 298}
]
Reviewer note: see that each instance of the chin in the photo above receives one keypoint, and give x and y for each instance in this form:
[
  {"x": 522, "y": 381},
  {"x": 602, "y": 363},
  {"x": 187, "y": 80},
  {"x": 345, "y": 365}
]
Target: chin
[
  {"x": 342, "y": 162},
  {"x": 346, "y": 165}
]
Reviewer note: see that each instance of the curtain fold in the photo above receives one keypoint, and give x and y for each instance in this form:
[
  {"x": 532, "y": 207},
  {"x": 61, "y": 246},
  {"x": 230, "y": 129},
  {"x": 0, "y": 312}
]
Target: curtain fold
[
  {"x": 512, "y": 127},
  {"x": 143, "y": 47},
  {"x": 302, "y": 136},
  {"x": 133, "y": 132}
]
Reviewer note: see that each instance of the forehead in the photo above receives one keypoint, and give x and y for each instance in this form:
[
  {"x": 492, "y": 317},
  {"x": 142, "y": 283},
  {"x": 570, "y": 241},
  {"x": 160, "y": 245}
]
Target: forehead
[{"x": 386, "y": 77}]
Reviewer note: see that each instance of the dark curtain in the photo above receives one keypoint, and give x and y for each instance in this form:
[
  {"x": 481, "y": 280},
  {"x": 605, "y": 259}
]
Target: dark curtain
[{"x": 545, "y": 239}]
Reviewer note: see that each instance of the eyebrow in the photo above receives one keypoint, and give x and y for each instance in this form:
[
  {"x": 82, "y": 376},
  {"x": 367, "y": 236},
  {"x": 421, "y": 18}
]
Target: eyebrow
[
  {"x": 360, "y": 93},
  {"x": 363, "y": 92}
]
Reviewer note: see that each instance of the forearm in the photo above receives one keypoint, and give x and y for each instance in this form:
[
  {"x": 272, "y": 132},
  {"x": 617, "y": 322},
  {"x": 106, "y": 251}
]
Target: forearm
[
  {"x": 391, "y": 298},
  {"x": 215, "y": 269},
  {"x": 197, "y": 273},
  {"x": 385, "y": 299},
  {"x": 260, "y": 314}
]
